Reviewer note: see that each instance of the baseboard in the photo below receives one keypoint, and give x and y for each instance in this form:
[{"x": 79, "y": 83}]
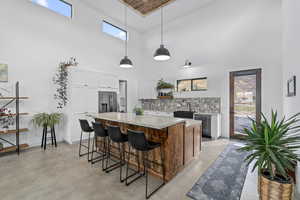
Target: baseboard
[{"x": 297, "y": 195}]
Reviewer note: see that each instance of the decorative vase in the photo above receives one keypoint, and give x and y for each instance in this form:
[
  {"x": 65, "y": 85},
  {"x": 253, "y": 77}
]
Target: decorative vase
[{"x": 275, "y": 190}]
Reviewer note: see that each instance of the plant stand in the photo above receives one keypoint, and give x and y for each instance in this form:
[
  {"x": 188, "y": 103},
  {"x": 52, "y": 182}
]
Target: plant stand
[{"x": 52, "y": 137}]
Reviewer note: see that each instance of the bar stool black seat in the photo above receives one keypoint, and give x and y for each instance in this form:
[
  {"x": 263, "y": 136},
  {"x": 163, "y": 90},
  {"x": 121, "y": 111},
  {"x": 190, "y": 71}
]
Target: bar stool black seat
[
  {"x": 85, "y": 128},
  {"x": 137, "y": 140},
  {"x": 100, "y": 132},
  {"x": 116, "y": 136}
]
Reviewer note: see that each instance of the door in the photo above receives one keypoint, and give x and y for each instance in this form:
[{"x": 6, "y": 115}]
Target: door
[
  {"x": 123, "y": 95},
  {"x": 245, "y": 100}
]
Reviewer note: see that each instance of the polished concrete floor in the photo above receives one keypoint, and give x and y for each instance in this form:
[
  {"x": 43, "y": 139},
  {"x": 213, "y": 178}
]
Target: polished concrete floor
[{"x": 59, "y": 173}]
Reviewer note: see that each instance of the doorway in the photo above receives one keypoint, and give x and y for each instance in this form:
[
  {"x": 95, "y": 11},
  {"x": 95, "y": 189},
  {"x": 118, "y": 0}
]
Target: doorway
[
  {"x": 123, "y": 96},
  {"x": 245, "y": 100}
]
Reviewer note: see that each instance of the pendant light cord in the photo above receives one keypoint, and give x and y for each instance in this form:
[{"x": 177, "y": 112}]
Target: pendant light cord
[
  {"x": 126, "y": 38},
  {"x": 162, "y": 25}
]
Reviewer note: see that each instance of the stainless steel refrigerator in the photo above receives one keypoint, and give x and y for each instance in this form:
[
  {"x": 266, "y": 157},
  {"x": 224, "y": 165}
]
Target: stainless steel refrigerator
[{"x": 108, "y": 102}]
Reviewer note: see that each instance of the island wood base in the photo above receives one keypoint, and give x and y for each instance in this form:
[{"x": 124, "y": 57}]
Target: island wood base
[{"x": 180, "y": 145}]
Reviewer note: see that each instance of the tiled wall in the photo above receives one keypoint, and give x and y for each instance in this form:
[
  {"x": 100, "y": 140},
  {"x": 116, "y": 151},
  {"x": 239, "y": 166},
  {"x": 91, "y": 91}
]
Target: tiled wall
[{"x": 202, "y": 105}]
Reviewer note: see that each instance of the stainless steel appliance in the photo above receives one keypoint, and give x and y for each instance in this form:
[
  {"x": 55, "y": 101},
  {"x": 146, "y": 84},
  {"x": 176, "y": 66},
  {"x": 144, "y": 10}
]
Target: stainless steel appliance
[
  {"x": 206, "y": 120},
  {"x": 107, "y": 102}
]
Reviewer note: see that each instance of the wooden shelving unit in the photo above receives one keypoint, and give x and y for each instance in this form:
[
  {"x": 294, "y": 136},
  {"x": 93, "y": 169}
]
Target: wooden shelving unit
[
  {"x": 13, "y": 114},
  {"x": 14, "y": 131},
  {"x": 9, "y": 98},
  {"x": 14, "y": 146}
]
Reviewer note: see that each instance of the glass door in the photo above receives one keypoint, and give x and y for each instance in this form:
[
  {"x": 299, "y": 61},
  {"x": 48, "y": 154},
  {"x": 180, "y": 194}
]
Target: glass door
[{"x": 245, "y": 100}]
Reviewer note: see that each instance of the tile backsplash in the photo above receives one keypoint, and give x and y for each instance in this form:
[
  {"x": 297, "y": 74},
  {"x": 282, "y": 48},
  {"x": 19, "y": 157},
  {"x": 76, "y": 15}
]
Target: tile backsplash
[{"x": 200, "y": 105}]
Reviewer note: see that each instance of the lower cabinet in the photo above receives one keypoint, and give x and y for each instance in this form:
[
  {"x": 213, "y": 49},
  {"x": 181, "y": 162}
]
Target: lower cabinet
[{"x": 192, "y": 142}]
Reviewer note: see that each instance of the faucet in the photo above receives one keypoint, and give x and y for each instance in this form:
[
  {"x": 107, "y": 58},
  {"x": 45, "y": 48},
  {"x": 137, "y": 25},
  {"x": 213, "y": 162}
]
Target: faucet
[{"x": 189, "y": 106}]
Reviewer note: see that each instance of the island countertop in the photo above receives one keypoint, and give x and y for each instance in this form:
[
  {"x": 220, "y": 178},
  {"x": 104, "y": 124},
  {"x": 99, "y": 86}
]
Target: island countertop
[
  {"x": 180, "y": 139},
  {"x": 150, "y": 121}
]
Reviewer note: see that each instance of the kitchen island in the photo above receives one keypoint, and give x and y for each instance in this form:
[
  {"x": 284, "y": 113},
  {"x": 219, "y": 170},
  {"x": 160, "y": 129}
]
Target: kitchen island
[{"x": 180, "y": 138}]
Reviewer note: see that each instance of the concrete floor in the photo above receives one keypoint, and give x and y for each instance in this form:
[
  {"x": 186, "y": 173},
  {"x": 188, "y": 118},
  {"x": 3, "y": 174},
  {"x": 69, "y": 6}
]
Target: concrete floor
[{"x": 60, "y": 174}]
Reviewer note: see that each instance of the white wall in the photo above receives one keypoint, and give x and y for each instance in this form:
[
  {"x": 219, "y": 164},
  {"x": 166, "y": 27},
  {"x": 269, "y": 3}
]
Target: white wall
[
  {"x": 291, "y": 62},
  {"x": 34, "y": 40},
  {"x": 221, "y": 37},
  {"x": 224, "y": 36}
]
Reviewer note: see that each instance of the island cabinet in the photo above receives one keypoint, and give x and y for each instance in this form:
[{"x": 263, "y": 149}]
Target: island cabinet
[
  {"x": 180, "y": 140},
  {"x": 192, "y": 142}
]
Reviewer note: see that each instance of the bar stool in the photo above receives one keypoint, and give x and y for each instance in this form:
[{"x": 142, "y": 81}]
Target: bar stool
[
  {"x": 137, "y": 140},
  {"x": 100, "y": 132},
  {"x": 85, "y": 128},
  {"x": 116, "y": 136}
]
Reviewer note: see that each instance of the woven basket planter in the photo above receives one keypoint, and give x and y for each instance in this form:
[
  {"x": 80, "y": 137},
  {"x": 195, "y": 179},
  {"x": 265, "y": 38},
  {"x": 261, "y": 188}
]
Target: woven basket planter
[{"x": 273, "y": 190}]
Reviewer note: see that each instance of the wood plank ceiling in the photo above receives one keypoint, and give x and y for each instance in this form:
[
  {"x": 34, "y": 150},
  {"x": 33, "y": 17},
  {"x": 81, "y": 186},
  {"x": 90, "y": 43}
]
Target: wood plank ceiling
[{"x": 145, "y": 7}]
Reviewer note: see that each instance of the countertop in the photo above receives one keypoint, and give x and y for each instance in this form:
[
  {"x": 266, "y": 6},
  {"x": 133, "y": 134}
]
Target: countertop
[
  {"x": 150, "y": 121},
  {"x": 206, "y": 113}
]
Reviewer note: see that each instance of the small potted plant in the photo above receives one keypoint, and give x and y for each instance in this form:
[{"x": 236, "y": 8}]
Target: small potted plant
[
  {"x": 272, "y": 146},
  {"x": 138, "y": 111},
  {"x": 164, "y": 89}
]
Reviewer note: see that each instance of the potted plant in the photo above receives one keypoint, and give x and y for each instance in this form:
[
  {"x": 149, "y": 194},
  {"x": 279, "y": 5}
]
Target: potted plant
[
  {"x": 61, "y": 81},
  {"x": 164, "y": 89},
  {"x": 272, "y": 146},
  {"x": 138, "y": 111},
  {"x": 45, "y": 119}
]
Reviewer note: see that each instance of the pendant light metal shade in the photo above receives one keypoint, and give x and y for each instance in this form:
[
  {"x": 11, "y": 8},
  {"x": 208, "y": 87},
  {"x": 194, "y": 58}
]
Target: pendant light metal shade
[
  {"x": 162, "y": 53},
  {"x": 126, "y": 62},
  {"x": 187, "y": 64}
]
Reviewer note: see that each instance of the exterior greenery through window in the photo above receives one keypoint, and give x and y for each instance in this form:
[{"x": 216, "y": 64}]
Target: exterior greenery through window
[
  {"x": 198, "y": 84},
  {"x": 59, "y": 6},
  {"x": 114, "y": 31}
]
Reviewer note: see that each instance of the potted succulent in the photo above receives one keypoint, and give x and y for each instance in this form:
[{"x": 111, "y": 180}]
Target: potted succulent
[
  {"x": 45, "y": 119},
  {"x": 138, "y": 111},
  {"x": 272, "y": 147},
  {"x": 164, "y": 89}
]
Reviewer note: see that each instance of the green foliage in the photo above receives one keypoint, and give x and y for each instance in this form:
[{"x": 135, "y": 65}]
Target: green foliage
[
  {"x": 273, "y": 145},
  {"x": 138, "y": 111},
  {"x": 164, "y": 85},
  {"x": 61, "y": 80},
  {"x": 45, "y": 119}
]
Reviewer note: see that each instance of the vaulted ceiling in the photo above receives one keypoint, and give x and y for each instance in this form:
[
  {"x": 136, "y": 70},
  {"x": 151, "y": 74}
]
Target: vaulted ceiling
[
  {"x": 145, "y": 7},
  {"x": 173, "y": 9}
]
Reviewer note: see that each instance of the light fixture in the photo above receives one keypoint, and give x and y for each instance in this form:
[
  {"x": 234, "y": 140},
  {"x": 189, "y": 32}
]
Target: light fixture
[
  {"x": 126, "y": 62},
  {"x": 162, "y": 53},
  {"x": 187, "y": 64}
]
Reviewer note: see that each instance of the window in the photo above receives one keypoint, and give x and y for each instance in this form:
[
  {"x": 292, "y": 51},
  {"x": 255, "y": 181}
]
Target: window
[
  {"x": 114, "y": 31},
  {"x": 184, "y": 85},
  {"x": 198, "y": 84},
  {"x": 58, "y": 6}
]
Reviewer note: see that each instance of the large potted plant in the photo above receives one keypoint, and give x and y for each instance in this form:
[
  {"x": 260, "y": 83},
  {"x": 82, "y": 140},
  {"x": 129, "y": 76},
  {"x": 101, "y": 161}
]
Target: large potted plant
[
  {"x": 272, "y": 147},
  {"x": 45, "y": 119}
]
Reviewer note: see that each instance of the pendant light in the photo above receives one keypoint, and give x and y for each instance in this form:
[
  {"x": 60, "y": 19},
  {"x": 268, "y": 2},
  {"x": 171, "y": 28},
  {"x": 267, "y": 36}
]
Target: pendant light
[
  {"x": 126, "y": 62},
  {"x": 162, "y": 53},
  {"x": 187, "y": 64}
]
